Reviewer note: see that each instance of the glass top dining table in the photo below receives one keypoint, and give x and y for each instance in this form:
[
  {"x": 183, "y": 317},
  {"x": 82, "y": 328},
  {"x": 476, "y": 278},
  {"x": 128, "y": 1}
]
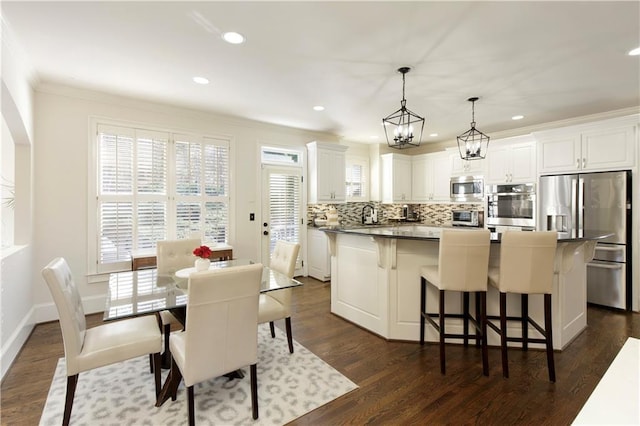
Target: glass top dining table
[{"x": 135, "y": 293}]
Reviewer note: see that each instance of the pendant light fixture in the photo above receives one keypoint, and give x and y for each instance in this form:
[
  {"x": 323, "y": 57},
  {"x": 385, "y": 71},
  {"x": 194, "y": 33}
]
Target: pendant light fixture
[
  {"x": 473, "y": 144},
  {"x": 403, "y": 128}
]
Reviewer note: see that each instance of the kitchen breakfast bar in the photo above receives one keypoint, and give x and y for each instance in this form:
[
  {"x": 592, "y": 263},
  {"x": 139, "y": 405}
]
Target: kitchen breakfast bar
[{"x": 375, "y": 282}]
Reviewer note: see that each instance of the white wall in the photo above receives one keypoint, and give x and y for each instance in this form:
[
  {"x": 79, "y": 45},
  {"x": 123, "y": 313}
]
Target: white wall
[
  {"x": 16, "y": 280},
  {"x": 61, "y": 165}
]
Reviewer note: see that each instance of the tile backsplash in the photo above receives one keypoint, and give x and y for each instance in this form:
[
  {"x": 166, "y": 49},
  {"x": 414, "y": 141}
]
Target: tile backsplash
[{"x": 351, "y": 213}]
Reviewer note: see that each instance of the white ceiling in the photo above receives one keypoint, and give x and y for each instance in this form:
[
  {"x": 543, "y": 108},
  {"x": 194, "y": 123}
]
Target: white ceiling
[{"x": 548, "y": 61}]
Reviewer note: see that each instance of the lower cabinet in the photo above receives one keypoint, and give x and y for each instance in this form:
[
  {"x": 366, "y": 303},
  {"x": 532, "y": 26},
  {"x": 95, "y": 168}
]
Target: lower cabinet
[{"x": 318, "y": 255}]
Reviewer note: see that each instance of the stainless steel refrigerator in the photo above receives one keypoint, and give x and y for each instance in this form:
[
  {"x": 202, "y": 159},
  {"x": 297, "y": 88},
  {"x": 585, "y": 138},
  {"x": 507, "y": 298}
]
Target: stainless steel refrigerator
[{"x": 576, "y": 205}]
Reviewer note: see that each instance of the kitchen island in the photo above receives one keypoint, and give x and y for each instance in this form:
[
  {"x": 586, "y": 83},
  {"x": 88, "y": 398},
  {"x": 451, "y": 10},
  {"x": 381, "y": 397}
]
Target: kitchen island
[{"x": 375, "y": 282}]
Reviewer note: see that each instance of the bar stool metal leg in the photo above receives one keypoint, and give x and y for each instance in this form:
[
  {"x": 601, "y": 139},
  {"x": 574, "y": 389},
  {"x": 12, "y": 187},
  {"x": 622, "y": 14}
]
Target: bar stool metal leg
[
  {"x": 482, "y": 318},
  {"x": 524, "y": 298},
  {"x": 442, "y": 361},
  {"x": 503, "y": 334},
  {"x": 423, "y": 310},
  {"x": 549, "y": 337}
]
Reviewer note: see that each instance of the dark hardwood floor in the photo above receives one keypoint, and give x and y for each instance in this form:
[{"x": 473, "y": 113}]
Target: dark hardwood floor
[{"x": 399, "y": 382}]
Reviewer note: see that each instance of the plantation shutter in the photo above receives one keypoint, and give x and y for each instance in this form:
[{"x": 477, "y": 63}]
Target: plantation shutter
[
  {"x": 132, "y": 192},
  {"x": 202, "y": 188},
  {"x": 355, "y": 177},
  {"x": 285, "y": 192}
]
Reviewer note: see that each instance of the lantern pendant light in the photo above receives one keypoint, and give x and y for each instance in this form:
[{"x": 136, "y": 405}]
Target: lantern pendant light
[
  {"x": 404, "y": 123},
  {"x": 473, "y": 144}
]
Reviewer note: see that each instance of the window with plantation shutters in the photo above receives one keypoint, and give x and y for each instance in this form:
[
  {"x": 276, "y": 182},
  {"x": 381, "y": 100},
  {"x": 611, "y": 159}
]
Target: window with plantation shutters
[
  {"x": 356, "y": 178},
  {"x": 202, "y": 188},
  {"x": 152, "y": 186}
]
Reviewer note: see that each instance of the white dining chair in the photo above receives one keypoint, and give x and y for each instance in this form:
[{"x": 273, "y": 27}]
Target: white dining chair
[
  {"x": 172, "y": 255},
  {"x": 89, "y": 348},
  {"x": 276, "y": 305},
  {"x": 221, "y": 335}
]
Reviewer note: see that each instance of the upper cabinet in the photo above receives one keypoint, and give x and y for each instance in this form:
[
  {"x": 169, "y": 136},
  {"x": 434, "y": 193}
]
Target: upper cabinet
[
  {"x": 599, "y": 146},
  {"x": 326, "y": 180},
  {"x": 396, "y": 176},
  {"x": 512, "y": 160},
  {"x": 431, "y": 174},
  {"x": 460, "y": 167}
]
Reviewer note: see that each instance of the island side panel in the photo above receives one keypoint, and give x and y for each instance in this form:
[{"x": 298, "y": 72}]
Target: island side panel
[
  {"x": 359, "y": 287},
  {"x": 404, "y": 291}
]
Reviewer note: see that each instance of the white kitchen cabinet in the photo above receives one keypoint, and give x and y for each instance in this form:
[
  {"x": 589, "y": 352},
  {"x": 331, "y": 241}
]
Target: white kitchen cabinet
[
  {"x": 396, "y": 178},
  {"x": 441, "y": 171},
  {"x": 318, "y": 257},
  {"x": 431, "y": 174},
  {"x": 326, "y": 177},
  {"x": 512, "y": 160},
  {"x": 421, "y": 184},
  {"x": 460, "y": 167},
  {"x": 603, "y": 146}
]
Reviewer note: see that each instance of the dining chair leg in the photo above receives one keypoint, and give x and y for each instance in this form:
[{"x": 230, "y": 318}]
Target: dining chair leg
[
  {"x": 441, "y": 317},
  {"x": 273, "y": 329},
  {"x": 254, "y": 390},
  {"x": 157, "y": 367},
  {"x": 287, "y": 323},
  {"x": 525, "y": 321},
  {"x": 481, "y": 318},
  {"x": 72, "y": 381},
  {"x": 503, "y": 334},
  {"x": 192, "y": 414},
  {"x": 167, "y": 333},
  {"x": 549, "y": 337}
]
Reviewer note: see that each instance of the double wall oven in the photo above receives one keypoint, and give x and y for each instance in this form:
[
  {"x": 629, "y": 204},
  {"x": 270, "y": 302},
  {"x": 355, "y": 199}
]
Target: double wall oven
[{"x": 511, "y": 205}]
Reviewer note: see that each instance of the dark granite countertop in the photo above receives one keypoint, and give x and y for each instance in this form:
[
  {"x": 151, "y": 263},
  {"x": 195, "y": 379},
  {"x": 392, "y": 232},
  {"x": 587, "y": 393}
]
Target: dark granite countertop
[{"x": 432, "y": 232}]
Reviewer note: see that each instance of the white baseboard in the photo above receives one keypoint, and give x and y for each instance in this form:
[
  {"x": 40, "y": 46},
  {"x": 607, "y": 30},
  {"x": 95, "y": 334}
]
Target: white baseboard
[
  {"x": 43, "y": 312},
  {"x": 46, "y": 312},
  {"x": 15, "y": 342}
]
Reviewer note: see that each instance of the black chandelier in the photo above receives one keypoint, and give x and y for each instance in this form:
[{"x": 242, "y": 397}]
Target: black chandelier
[
  {"x": 473, "y": 144},
  {"x": 404, "y": 123}
]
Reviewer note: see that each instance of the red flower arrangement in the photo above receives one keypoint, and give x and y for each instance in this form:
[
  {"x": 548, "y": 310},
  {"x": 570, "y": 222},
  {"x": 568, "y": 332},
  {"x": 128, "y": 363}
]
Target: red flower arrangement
[{"x": 202, "y": 251}]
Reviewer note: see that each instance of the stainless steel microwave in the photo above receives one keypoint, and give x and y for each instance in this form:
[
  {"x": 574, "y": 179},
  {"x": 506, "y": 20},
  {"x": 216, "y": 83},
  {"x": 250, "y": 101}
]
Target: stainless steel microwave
[
  {"x": 467, "y": 188},
  {"x": 466, "y": 218}
]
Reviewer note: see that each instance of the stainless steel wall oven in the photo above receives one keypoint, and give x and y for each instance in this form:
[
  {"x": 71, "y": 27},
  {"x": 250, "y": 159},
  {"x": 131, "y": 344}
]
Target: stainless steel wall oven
[{"x": 511, "y": 205}]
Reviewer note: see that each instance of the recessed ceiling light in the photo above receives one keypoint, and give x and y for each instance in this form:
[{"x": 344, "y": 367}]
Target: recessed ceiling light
[
  {"x": 374, "y": 137},
  {"x": 233, "y": 37},
  {"x": 200, "y": 80},
  {"x": 318, "y": 108},
  {"x": 433, "y": 135},
  {"x": 517, "y": 117},
  {"x": 634, "y": 52}
]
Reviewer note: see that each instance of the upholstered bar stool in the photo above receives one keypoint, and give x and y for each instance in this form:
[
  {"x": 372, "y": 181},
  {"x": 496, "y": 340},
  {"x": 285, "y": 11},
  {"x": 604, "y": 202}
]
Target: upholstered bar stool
[
  {"x": 526, "y": 267},
  {"x": 463, "y": 262}
]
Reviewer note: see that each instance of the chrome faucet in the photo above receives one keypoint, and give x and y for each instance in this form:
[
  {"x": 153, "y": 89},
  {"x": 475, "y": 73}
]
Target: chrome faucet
[{"x": 371, "y": 208}]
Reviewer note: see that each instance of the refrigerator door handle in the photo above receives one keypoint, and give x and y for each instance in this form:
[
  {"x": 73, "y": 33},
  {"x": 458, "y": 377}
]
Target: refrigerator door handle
[
  {"x": 580, "y": 207},
  {"x": 606, "y": 265},
  {"x": 604, "y": 248}
]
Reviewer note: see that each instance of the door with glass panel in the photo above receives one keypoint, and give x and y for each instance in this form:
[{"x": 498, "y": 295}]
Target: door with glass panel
[{"x": 281, "y": 208}]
